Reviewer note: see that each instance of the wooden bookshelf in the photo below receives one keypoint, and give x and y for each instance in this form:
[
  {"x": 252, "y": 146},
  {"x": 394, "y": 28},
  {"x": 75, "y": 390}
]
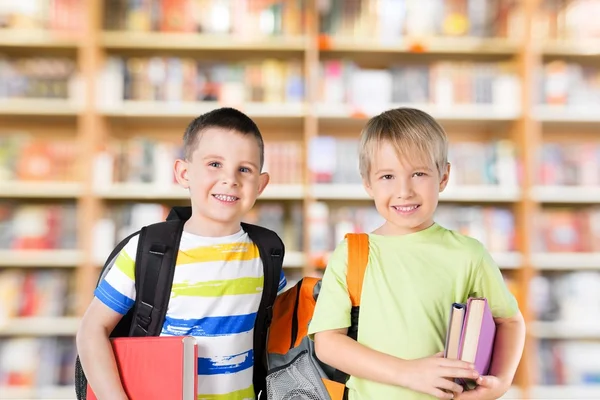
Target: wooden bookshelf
[{"x": 95, "y": 123}]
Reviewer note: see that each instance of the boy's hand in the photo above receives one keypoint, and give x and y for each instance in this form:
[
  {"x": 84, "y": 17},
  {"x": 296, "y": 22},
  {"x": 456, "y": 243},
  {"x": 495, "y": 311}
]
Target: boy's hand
[
  {"x": 489, "y": 387},
  {"x": 434, "y": 375}
]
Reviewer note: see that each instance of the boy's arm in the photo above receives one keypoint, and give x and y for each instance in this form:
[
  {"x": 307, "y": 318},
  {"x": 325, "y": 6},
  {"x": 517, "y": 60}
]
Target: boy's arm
[
  {"x": 329, "y": 325},
  {"x": 95, "y": 351},
  {"x": 426, "y": 375},
  {"x": 114, "y": 297}
]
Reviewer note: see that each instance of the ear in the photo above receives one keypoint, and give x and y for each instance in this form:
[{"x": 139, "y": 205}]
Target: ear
[
  {"x": 367, "y": 186},
  {"x": 445, "y": 177},
  {"x": 181, "y": 170},
  {"x": 263, "y": 181}
]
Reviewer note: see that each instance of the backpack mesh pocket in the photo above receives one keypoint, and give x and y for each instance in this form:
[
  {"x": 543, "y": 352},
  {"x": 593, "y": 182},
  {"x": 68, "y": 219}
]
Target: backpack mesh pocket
[{"x": 296, "y": 381}]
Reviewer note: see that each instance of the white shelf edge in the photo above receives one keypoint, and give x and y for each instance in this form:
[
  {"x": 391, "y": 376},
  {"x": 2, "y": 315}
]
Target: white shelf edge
[
  {"x": 565, "y": 194},
  {"x": 133, "y": 109},
  {"x": 456, "y": 193},
  {"x": 507, "y": 260},
  {"x": 40, "y": 326},
  {"x": 446, "y": 45},
  {"x": 566, "y": 261},
  {"x": 566, "y": 114},
  {"x": 191, "y": 41},
  {"x": 45, "y": 107},
  {"x": 45, "y": 393},
  {"x": 149, "y": 191},
  {"x": 565, "y": 330},
  {"x": 53, "y": 190},
  {"x": 293, "y": 259},
  {"x": 40, "y": 258},
  {"x": 454, "y": 112},
  {"x": 566, "y": 392}
]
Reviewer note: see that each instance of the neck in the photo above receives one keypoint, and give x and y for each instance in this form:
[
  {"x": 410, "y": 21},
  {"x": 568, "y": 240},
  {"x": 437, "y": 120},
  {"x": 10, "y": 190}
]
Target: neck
[{"x": 202, "y": 226}]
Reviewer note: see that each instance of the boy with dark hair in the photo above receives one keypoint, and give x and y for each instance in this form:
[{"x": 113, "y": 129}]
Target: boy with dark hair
[{"x": 218, "y": 279}]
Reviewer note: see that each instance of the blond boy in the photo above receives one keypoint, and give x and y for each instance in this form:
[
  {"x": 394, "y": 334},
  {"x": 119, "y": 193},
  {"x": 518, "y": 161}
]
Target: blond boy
[{"x": 416, "y": 270}]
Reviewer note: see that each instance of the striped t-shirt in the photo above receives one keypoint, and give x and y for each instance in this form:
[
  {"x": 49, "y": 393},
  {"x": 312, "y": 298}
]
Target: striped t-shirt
[{"x": 217, "y": 288}]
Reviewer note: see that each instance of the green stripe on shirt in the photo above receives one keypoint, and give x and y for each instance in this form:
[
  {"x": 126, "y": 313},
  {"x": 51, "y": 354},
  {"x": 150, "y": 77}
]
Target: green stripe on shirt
[{"x": 219, "y": 288}]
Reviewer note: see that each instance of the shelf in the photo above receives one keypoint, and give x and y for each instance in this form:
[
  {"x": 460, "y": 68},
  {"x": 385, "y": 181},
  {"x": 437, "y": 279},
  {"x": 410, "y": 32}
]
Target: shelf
[
  {"x": 454, "y": 112},
  {"x": 437, "y": 45},
  {"x": 566, "y": 194},
  {"x": 293, "y": 259},
  {"x": 565, "y": 330},
  {"x": 36, "y": 39},
  {"x": 567, "y": 114},
  {"x": 565, "y": 392},
  {"x": 113, "y": 40},
  {"x": 188, "y": 110},
  {"x": 37, "y": 190},
  {"x": 40, "y": 258},
  {"x": 159, "y": 192},
  {"x": 572, "y": 48},
  {"x": 454, "y": 194},
  {"x": 44, "y": 393},
  {"x": 566, "y": 261},
  {"x": 38, "y": 107},
  {"x": 508, "y": 260},
  {"x": 40, "y": 326}
]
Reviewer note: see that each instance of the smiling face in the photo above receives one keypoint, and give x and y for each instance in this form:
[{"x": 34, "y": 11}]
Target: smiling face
[
  {"x": 224, "y": 179},
  {"x": 405, "y": 192}
]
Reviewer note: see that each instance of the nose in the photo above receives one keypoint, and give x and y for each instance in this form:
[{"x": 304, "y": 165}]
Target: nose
[
  {"x": 405, "y": 189},
  {"x": 229, "y": 178}
]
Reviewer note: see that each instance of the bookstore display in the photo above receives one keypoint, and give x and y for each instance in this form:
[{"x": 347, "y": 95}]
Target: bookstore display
[{"x": 95, "y": 96}]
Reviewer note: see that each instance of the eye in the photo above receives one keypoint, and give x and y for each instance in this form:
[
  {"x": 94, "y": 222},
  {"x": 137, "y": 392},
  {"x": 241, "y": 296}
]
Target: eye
[
  {"x": 388, "y": 176},
  {"x": 419, "y": 174},
  {"x": 214, "y": 164},
  {"x": 245, "y": 169}
]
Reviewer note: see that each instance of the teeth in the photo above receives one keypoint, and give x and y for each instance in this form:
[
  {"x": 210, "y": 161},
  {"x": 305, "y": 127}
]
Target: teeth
[
  {"x": 406, "y": 209},
  {"x": 223, "y": 197}
]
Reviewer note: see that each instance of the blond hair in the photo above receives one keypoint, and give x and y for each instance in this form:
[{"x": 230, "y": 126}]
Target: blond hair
[{"x": 414, "y": 134}]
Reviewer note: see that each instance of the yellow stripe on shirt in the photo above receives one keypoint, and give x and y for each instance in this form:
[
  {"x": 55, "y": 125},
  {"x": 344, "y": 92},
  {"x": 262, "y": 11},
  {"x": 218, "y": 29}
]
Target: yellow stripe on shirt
[
  {"x": 243, "y": 394},
  {"x": 219, "y": 288},
  {"x": 220, "y": 252},
  {"x": 126, "y": 264}
]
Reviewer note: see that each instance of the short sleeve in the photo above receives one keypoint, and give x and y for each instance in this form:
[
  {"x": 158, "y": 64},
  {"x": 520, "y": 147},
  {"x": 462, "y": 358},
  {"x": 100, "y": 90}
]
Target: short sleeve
[
  {"x": 490, "y": 284},
  {"x": 117, "y": 289},
  {"x": 332, "y": 310},
  {"x": 282, "y": 282}
]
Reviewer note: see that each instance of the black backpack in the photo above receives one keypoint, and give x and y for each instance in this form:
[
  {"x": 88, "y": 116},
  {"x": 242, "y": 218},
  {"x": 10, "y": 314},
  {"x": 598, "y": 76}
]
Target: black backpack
[{"x": 154, "y": 269}]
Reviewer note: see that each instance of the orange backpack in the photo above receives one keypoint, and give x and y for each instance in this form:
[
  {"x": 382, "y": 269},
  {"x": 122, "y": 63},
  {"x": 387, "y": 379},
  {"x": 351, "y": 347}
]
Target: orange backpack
[{"x": 293, "y": 369}]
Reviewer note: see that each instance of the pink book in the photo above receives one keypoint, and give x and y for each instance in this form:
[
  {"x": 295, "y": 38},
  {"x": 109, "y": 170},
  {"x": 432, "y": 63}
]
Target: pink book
[{"x": 477, "y": 337}]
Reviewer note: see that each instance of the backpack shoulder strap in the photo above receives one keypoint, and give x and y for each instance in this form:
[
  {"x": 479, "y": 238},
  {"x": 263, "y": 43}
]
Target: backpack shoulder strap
[
  {"x": 272, "y": 251},
  {"x": 154, "y": 269},
  {"x": 358, "y": 258}
]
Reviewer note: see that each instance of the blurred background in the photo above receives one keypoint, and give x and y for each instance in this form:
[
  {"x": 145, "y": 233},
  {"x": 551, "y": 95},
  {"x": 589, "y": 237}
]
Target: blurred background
[{"x": 95, "y": 96}]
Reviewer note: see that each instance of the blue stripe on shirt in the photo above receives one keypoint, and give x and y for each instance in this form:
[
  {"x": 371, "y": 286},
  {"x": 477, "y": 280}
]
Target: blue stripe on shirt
[
  {"x": 114, "y": 299},
  {"x": 226, "y": 365},
  {"x": 282, "y": 282},
  {"x": 209, "y": 326}
]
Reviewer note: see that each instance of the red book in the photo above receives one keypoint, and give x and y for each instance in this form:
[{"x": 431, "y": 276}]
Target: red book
[{"x": 153, "y": 368}]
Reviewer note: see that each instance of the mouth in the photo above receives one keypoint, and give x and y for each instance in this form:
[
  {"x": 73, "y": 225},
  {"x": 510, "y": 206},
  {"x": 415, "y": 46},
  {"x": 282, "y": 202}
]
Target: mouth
[
  {"x": 225, "y": 198},
  {"x": 407, "y": 209}
]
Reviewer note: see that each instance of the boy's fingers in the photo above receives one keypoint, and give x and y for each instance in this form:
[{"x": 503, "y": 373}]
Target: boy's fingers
[
  {"x": 460, "y": 373},
  {"x": 440, "y": 394},
  {"x": 450, "y": 385},
  {"x": 457, "y": 364}
]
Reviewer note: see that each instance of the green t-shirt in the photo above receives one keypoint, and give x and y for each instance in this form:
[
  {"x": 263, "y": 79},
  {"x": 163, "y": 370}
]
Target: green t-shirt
[{"x": 410, "y": 284}]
